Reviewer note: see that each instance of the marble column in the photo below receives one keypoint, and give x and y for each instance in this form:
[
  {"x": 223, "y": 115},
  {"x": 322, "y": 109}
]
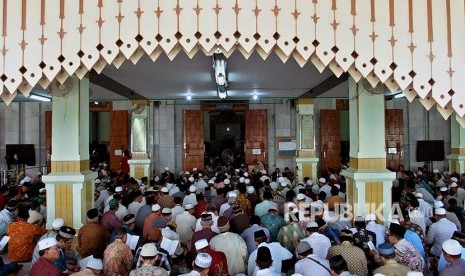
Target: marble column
[
  {"x": 457, "y": 152},
  {"x": 69, "y": 185},
  {"x": 368, "y": 181}
]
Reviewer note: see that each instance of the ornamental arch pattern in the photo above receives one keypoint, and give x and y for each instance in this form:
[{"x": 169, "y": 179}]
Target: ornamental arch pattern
[{"x": 415, "y": 46}]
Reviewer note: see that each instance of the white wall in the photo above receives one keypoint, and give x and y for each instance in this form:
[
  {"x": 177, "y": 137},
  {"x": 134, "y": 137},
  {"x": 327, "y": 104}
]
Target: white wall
[{"x": 24, "y": 123}]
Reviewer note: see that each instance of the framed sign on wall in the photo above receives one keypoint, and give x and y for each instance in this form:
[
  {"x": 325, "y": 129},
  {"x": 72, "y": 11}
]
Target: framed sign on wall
[{"x": 307, "y": 132}]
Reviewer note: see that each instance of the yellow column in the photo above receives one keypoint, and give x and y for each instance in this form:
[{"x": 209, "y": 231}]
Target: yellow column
[
  {"x": 368, "y": 180},
  {"x": 69, "y": 185},
  {"x": 457, "y": 152},
  {"x": 305, "y": 138},
  {"x": 140, "y": 164}
]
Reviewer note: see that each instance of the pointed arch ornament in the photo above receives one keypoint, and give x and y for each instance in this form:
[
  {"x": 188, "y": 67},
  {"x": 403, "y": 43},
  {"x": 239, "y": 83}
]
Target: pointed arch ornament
[{"x": 415, "y": 46}]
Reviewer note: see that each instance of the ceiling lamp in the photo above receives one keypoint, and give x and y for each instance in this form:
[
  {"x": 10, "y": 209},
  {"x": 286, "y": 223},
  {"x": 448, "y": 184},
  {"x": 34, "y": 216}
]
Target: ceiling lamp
[{"x": 220, "y": 64}]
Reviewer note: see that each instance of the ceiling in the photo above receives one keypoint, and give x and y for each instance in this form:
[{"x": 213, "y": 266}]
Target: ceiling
[{"x": 167, "y": 79}]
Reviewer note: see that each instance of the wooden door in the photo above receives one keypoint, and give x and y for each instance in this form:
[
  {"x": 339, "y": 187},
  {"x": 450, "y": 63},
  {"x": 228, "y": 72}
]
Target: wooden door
[
  {"x": 48, "y": 140},
  {"x": 193, "y": 150},
  {"x": 394, "y": 137},
  {"x": 118, "y": 137},
  {"x": 330, "y": 140},
  {"x": 256, "y": 137}
]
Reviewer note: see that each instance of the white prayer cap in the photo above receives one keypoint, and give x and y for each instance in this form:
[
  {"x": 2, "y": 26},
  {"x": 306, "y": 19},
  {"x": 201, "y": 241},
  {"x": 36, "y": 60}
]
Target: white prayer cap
[
  {"x": 149, "y": 250},
  {"x": 443, "y": 189},
  {"x": 410, "y": 273},
  {"x": 301, "y": 197},
  {"x": 263, "y": 171},
  {"x": 246, "y": 174},
  {"x": 200, "y": 175},
  {"x": 203, "y": 260},
  {"x": 237, "y": 170},
  {"x": 454, "y": 179},
  {"x": 156, "y": 208},
  {"x": 283, "y": 183},
  {"x": 419, "y": 173},
  {"x": 57, "y": 223},
  {"x": 232, "y": 194},
  {"x": 419, "y": 195},
  {"x": 166, "y": 211},
  {"x": 440, "y": 211},
  {"x": 452, "y": 247},
  {"x": 167, "y": 169},
  {"x": 322, "y": 180},
  {"x": 211, "y": 181},
  {"x": 309, "y": 182},
  {"x": 164, "y": 190},
  {"x": 118, "y": 189},
  {"x": 47, "y": 243},
  {"x": 337, "y": 186},
  {"x": 192, "y": 189},
  {"x": 312, "y": 224},
  {"x": 194, "y": 169},
  {"x": 446, "y": 173},
  {"x": 435, "y": 171},
  {"x": 97, "y": 181},
  {"x": 247, "y": 181},
  {"x": 241, "y": 179},
  {"x": 438, "y": 204},
  {"x": 188, "y": 206},
  {"x": 453, "y": 185},
  {"x": 250, "y": 189},
  {"x": 187, "y": 172},
  {"x": 191, "y": 179},
  {"x": 226, "y": 181},
  {"x": 95, "y": 264},
  {"x": 371, "y": 217},
  {"x": 201, "y": 244},
  {"x": 42, "y": 190},
  {"x": 263, "y": 178}
]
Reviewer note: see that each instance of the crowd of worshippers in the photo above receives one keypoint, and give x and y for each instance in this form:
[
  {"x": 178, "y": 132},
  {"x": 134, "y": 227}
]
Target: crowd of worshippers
[{"x": 233, "y": 223}]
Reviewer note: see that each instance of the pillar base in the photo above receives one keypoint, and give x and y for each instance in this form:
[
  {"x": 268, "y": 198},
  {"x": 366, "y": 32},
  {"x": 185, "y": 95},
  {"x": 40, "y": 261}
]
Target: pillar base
[
  {"x": 307, "y": 166},
  {"x": 369, "y": 191},
  {"x": 139, "y": 167},
  {"x": 69, "y": 196},
  {"x": 456, "y": 163}
]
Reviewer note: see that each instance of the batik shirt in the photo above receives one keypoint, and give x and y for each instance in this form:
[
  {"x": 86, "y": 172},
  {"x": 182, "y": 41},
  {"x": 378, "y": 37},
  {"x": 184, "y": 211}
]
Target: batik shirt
[
  {"x": 289, "y": 235},
  {"x": 407, "y": 255},
  {"x": 117, "y": 259}
]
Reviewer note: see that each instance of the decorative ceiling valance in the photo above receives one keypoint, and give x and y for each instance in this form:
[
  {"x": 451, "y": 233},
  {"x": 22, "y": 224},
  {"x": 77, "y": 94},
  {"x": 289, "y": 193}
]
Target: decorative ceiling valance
[{"x": 417, "y": 46}]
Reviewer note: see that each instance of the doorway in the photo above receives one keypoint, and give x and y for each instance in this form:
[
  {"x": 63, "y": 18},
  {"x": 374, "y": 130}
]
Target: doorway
[{"x": 224, "y": 134}]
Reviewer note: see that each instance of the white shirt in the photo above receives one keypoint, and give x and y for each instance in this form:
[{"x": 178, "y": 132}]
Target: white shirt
[
  {"x": 308, "y": 267},
  {"x": 320, "y": 244},
  {"x": 379, "y": 230},
  {"x": 200, "y": 185},
  {"x": 426, "y": 195},
  {"x": 248, "y": 236},
  {"x": 214, "y": 227},
  {"x": 425, "y": 208},
  {"x": 278, "y": 254},
  {"x": 327, "y": 189},
  {"x": 267, "y": 272},
  {"x": 120, "y": 213},
  {"x": 192, "y": 273},
  {"x": 223, "y": 208},
  {"x": 418, "y": 217},
  {"x": 173, "y": 190},
  {"x": 134, "y": 207},
  {"x": 190, "y": 199},
  {"x": 185, "y": 223},
  {"x": 235, "y": 249},
  {"x": 178, "y": 209},
  {"x": 439, "y": 231}
]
